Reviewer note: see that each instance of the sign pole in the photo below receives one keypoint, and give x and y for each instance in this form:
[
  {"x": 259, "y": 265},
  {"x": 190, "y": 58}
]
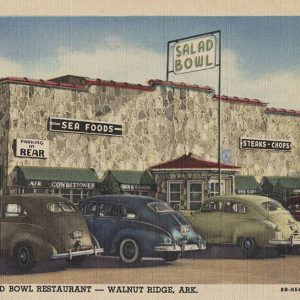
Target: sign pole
[{"x": 219, "y": 115}]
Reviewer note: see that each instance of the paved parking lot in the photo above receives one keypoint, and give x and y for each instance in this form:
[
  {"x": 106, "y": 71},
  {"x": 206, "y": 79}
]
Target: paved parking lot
[{"x": 218, "y": 265}]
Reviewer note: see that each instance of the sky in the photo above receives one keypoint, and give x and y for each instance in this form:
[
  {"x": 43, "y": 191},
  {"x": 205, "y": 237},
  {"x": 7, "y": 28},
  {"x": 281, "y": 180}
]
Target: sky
[{"x": 259, "y": 56}]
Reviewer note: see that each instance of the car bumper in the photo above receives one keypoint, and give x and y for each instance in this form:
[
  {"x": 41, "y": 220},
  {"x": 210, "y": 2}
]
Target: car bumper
[
  {"x": 93, "y": 251},
  {"x": 292, "y": 241},
  {"x": 180, "y": 247}
]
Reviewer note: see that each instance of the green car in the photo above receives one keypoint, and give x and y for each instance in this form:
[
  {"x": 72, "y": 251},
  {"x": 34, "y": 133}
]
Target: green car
[{"x": 249, "y": 222}]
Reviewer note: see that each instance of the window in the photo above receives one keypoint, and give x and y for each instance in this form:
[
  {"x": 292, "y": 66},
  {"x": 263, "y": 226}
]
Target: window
[
  {"x": 160, "y": 207},
  {"x": 14, "y": 210},
  {"x": 194, "y": 194},
  {"x": 107, "y": 210},
  {"x": 271, "y": 206},
  {"x": 126, "y": 212},
  {"x": 60, "y": 207},
  {"x": 233, "y": 207},
  {"x": 214, "y": 188},
  {"x": 174, "y": 194},
  {"x": 89, "y": 208},
  {"x": 212, "y": 206}
]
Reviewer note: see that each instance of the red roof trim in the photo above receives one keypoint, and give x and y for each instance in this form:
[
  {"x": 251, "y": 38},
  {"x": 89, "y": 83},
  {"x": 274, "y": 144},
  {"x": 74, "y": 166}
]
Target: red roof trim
[
  {"x": 190, "y": 162},
  {"x": 124, "y": 85},
  {"x": 154, "y": 82},
  {"x": 241, "y": 100},
  {"x": 47, "y": 83},
  {"x": 97, "y": 82},
  {"x": 282, "y": 111}
]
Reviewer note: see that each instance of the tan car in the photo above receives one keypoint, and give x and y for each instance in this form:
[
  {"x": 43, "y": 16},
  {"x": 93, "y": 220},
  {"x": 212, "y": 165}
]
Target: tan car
[
  {"x": 250, "y": 222},
  {"x": 37, "y": 227}
]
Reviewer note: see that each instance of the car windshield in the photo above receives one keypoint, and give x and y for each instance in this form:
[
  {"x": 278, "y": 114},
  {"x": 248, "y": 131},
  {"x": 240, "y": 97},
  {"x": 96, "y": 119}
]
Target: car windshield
[
  {"x": 160, "y": 207},
  {"x": 60, "y": 207},
  {"x": 272, "y": 206}
]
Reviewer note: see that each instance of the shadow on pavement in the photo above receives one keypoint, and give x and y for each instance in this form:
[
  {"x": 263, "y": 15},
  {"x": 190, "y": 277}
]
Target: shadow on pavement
[
  {"x": 7, "y": 267},
  {"x": 232, "y": 252}
]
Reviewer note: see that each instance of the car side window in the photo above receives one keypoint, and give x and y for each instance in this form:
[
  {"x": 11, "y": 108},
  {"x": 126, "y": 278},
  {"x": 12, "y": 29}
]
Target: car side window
[
  {"x": 89, "y": 208},
  {"x": 14, "y": 210},
  {"x": 127, "y": 213},
  {"x": 107, "y": 210},
  {"x": 235, "y": 207},
  {"x": 212, "y": 206}
]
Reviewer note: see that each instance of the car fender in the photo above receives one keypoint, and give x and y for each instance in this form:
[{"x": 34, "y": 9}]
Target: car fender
[
  {"x": 41, "y": 248},
  {"x": 260, "y": 230},
  {"x": 146, "y": 235}
]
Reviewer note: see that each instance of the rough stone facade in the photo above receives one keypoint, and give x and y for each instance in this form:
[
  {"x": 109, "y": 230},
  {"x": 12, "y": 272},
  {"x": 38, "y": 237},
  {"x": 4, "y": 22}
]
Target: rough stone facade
[{"x": 158, "y": 126}]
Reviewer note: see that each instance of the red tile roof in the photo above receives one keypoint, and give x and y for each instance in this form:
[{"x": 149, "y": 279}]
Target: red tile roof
[
  {"x": 47, "y": 83},
  {"x": 190, "y": 162},
  {"x": 151, "y": 87},
  {"x": 282, "y": 111},
  {"x": 80, "y": 87},
  {"x": 124, "y": 85},
  {"x": 181, "y": 85},
  {"x": 242, "y": 100}
]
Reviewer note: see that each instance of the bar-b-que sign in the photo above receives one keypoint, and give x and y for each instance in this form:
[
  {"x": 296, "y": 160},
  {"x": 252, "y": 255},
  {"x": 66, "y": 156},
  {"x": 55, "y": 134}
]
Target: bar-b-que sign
[
  {"x": 252, "y": 143},
  {"x": 82, "y": 126}
]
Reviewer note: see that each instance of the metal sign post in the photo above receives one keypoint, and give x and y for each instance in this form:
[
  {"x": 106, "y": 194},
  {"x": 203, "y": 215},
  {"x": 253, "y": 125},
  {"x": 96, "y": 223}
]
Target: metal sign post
[{"x": 197, "y": 53}]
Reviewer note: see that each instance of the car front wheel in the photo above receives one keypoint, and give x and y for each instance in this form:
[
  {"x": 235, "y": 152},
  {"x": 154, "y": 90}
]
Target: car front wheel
[
  {"x": 129, "y": 251},
  {"x": 248, "y": 247},
  {"x": 24, "y": 257}
]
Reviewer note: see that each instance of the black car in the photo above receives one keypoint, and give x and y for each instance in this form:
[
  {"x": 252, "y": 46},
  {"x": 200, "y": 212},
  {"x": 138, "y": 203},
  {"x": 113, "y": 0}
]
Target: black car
[{"x": 133, "y": 227}]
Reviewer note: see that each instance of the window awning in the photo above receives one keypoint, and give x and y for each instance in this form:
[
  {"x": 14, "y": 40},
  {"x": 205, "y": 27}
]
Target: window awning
[
  {"x": 64, "y": 178},
  {"x": 247, "y": 183},
  {"x": 129, "y": 180},
  {"x": 289, "y": 182}
]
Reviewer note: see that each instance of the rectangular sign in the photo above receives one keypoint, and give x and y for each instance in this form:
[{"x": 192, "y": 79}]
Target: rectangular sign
[
  {"x": 82, "y": 126},
  {"x": 60, "y": 184},
  {"x": 32, "y": 148},
  {"x": 252, "y": 143},
  {"x": 194, "y": 55}
]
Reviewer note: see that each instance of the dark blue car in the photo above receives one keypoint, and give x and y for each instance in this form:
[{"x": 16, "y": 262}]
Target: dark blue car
[{"x": 133, "y": 227}]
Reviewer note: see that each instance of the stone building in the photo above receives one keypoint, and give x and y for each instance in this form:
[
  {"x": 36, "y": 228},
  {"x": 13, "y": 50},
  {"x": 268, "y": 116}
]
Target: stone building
[{"x": 63, "y": 135}]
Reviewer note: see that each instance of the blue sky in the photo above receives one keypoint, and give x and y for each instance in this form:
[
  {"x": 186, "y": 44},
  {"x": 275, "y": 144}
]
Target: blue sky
[{"x": 260, "y": 55}]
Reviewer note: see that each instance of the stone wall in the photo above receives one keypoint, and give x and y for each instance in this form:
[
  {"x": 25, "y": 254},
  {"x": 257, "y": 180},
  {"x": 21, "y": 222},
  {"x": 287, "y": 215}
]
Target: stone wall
[
  {"x": 158, "y": 126},
  {"x": 4, "y": 129}
]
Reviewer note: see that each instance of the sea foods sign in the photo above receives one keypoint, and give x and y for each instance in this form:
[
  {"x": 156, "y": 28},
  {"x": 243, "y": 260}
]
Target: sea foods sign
[
  {"x": 194, "y": 55},
  {"x": 81, "y": 126}
]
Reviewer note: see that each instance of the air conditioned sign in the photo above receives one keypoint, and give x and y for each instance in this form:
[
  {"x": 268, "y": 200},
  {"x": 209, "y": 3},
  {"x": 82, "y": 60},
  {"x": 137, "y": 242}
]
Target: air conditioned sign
[
  {"x": 82, "y": 126},
  {"x": 32, "y": 148},
  {"x": 60, "y": 184},
  {"x": 251, "y": 143},
  {"x": 194, "y": 55}
]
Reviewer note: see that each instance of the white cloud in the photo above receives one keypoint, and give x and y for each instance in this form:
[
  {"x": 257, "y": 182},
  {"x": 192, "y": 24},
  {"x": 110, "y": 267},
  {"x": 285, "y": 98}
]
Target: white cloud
[
  {"x": 114, "y": 59},
  {"x": 10, "y": 68}
]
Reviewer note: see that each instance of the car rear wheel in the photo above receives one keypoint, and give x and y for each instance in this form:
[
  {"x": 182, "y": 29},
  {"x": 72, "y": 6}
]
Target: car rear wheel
[
  {"x": 129, "y": 251},
  {"x": 171, "y": 256},
  {"x": 24, "y": 257},
  {"x": 248, "y": 247}
]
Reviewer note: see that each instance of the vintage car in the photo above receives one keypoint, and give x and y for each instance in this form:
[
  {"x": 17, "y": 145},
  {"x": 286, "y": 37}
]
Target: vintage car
[
  {"x": 36, "y": 227},
  {"x": 249, "y": 222},
  {"x": 133, "y": 227},
  {"x": 292, "y": 204}
]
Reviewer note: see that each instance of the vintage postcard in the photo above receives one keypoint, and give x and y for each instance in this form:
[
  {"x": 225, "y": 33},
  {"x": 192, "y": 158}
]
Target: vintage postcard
[{"x": 150, "y": 150}]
